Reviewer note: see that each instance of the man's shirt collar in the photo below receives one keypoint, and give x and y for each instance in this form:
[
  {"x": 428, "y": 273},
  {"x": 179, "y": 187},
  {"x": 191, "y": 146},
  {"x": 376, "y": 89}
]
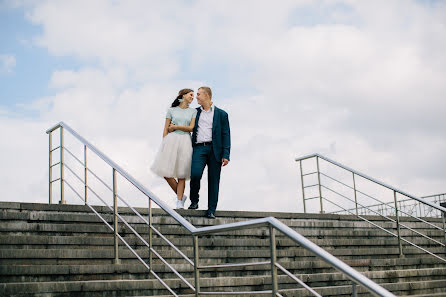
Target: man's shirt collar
[{"x": 211, "y": 109}]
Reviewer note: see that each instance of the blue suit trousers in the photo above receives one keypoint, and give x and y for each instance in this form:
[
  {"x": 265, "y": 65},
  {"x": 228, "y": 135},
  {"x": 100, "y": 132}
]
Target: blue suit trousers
[{"x": 204, "y": 156}]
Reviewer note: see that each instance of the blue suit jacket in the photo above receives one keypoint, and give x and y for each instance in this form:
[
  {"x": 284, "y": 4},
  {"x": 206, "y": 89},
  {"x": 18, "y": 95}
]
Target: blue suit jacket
[{"x": 221, "y": 134}]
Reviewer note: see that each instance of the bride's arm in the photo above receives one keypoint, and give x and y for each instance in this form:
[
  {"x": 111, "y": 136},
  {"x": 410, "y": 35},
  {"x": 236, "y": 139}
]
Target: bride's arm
[
  {"x": 189, "y": 128},
  {"x": 166, "y": 128}
]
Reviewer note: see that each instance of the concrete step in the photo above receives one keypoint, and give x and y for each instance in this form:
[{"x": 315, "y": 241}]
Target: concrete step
[
  {"x": 51, "y": 273},
  {"x": 97, "y": 230},
  {"x": 154, "y": 288},
  {"x": 134, "y": 270},
  {"x": 428, "y": 295},
  {"x": 11, "y": 222},
  {"x": 195, "y": 217},
  {"x": 95, "y": 241},
  {"x": 82, "y": 256},
  {"x": 40, "y": 272},
  {"x": 434, "y": 287},
  {"x": 18, "y": 206},
  {"x": 321, "y": 223}
]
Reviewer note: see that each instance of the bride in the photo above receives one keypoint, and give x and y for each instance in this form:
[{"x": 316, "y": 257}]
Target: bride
[{"x": 173, "y": 160}]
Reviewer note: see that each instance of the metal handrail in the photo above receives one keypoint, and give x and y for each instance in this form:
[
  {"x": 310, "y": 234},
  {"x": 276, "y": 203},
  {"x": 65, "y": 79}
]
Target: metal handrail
[
  {"x": 125, "y": 242},
  {"x": 270, "y": 222},
  {"x": 402, "y": 202},
  {"x": 127, "y": 176},
  {"x": 393, "y": 234},
  {"x": 126, "y": 203},
  {"x": 438, "y": 207},
  {"x": 358, "y": 206},
  {"x": 390, "y": 219},
  {"x": 369, "y": 207}
]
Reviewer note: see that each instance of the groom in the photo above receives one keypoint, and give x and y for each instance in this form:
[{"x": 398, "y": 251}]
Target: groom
[{"x": 211, "y": 140}]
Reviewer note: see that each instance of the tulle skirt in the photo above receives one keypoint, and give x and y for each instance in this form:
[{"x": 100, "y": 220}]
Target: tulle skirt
[{"x": 174, "y": 157}]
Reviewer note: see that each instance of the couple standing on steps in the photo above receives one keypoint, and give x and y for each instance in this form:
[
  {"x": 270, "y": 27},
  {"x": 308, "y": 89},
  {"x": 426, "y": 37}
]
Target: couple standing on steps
[{"x": 181, "y": 157}]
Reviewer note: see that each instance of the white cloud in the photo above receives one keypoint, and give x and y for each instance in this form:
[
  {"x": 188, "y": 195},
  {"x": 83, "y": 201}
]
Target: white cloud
[
  {"x": 363, "y": 85},
  {"x": 7, "y": 63},
  {"x": 142, "y": 36}
]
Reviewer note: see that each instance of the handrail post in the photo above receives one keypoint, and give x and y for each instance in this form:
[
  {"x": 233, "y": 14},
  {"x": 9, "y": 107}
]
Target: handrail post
[
  {"x": 319, "y": 183},
  {"x": 302, "y": 183},
  {"x": 115, "y": 219},
  {"x": 85, "y": 173},
  {"x": 354, "y": 290},
  {"x": 196, "y": 263},
  {"x": 50, "y": 173},
  {"x": 443, "y": 214},
  {"x": 397, "y": 217},
  {"x": 62, "y": 199},
  {"x": 150, "y": 234},
  {"x": 354, "y": 191},
  {"x": 273, "y": 254},
  {"x": 444, "y": 227}
]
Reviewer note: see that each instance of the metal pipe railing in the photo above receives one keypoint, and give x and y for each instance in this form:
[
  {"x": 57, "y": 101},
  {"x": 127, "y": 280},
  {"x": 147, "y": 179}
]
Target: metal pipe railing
[
  {"x": 380, "y": 207},
  {"x": 62, "y": 199},
  {"x": 438, "y": 207},
  {"x": 273, "y": 254},
  {"x": 406, "y": 203},
  {"x": 50, "y": 169},
  {"x": 116, "y": 216},
  {"x": 269, "y": 222},
  {"x": 127, "y": 176},
  {"x": 148, "y": 222}
]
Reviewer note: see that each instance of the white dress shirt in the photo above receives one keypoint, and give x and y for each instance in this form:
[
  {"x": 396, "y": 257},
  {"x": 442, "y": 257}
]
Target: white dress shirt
[{"x": 204, "y": 130}]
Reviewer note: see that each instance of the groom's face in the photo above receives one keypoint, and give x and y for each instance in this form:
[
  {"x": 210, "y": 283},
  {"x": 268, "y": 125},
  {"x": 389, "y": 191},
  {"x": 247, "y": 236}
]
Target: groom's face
[{"x": 202, "y": 96}]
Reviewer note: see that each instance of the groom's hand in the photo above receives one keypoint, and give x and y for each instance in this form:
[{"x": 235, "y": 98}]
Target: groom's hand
[{"x": 224, "y": 162}]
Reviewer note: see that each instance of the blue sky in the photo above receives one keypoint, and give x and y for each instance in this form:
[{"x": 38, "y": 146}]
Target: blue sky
[{"x": 29, "y": 78}]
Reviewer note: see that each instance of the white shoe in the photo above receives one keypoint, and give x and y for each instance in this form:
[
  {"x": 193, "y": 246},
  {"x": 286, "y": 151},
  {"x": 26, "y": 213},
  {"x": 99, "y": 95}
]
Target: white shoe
[
  {"x": 180, "y": 205},
  {"x": 184, "y": 199}
]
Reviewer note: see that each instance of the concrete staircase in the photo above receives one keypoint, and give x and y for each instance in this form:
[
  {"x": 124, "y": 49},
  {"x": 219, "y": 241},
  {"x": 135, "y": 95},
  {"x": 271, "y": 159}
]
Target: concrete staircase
[{"x": 65, "y": 250}]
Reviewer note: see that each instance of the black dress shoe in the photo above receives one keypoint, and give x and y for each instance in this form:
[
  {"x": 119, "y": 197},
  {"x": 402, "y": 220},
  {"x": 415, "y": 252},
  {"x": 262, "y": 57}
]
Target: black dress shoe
[
  {"x": 210, "y": 215},
  {"x": 193, "y": 205}
]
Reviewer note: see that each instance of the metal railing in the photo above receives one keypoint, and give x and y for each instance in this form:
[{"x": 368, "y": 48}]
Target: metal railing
[
  {"x": 409, "y": 206},
  {"x": 331, "y": 190},
  {"x": 271, "y": 223}
]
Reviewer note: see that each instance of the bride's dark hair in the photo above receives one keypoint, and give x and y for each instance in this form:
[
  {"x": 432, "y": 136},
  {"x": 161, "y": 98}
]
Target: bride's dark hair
[{"x": 182, "y": 92}]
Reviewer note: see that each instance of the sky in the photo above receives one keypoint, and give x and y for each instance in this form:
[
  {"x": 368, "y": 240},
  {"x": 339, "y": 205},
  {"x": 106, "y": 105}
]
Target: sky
[{"x": 360, "y": 82}]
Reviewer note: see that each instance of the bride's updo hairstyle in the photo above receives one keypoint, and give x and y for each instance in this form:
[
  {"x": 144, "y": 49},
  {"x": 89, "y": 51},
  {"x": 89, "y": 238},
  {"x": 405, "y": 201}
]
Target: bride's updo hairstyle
[{"x": 181, "y": 93}]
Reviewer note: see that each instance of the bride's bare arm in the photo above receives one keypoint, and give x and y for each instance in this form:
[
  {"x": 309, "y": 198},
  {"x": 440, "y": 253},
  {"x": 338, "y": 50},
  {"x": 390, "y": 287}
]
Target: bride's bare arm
[
  {"x": 189, "y": 128},
  {"x": 166, "y": 128}
]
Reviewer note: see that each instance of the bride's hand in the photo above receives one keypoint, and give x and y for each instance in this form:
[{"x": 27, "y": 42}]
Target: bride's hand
[{"x": 171, "y": 128}]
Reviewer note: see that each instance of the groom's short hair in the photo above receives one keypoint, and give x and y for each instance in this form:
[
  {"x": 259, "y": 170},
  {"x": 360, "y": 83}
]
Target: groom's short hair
[{"x": 207, "y": 90}]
